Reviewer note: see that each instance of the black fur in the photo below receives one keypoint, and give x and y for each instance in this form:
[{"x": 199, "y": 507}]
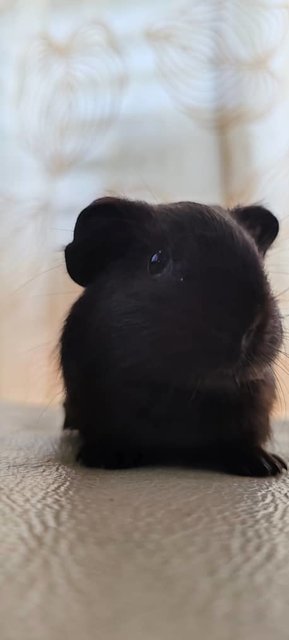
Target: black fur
[{"x": 167, "y": 355}]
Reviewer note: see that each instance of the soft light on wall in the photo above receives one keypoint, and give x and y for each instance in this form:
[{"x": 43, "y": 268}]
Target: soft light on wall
[{"x": 160, "y": 100}]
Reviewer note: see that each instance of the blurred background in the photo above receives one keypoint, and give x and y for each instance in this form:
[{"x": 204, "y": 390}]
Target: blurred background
[{"x": 162, "y": 100}]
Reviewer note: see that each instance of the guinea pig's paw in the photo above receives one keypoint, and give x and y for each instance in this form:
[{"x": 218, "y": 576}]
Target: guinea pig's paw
[
  {"x": 108, "y": 457},
  {"x": 255, "y": 462}
]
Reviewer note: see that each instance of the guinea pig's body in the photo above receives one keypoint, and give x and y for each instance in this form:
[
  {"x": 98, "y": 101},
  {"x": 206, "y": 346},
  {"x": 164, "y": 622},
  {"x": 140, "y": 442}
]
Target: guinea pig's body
[{"x": 167, "y": 355}]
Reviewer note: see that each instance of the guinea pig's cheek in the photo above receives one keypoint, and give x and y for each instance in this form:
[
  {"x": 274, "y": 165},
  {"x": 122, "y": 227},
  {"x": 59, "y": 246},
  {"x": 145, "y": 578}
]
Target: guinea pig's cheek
[
  {"x": 212, "y": 356},
  {"x": 230, "y": 355},
  {"x": 224, "y": 346}
]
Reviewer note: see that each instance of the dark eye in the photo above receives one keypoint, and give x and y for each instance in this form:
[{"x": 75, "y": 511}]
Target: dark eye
[{"x": 158, "y": 262}]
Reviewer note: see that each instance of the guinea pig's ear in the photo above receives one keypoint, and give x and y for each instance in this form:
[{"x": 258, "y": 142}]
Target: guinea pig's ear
[
  {"x": 103, "y": 232},
  {"x": 260, "y": 223}
]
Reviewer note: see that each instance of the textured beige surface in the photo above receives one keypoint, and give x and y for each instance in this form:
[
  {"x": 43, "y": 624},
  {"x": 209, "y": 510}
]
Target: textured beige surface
[{"x": 137, "y": 555}]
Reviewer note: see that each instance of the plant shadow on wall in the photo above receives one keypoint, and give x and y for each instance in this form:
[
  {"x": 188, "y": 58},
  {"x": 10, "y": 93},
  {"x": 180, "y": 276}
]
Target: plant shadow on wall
[
  {"x": 203, "y": 63},
  {"x": 70, "y": 93}
]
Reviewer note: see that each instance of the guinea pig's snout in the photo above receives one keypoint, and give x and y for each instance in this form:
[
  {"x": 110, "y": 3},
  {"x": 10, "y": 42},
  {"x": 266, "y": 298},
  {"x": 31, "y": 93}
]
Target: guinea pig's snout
[
  {"x": 249, "y": 335},
  {"x": 235, "y": 344},
  {"x": 247, "y": 339}
]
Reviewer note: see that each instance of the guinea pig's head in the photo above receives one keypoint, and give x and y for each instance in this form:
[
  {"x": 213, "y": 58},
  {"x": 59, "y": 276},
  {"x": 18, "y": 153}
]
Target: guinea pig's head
[{"x": 179, "y": 291}]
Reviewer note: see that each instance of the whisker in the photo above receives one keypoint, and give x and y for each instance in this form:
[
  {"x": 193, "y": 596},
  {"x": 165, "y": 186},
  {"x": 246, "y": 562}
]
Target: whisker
[
  {"x": 283, "y": 357},
  {"x": 45, "y": 409},
  {"x": 54, "y": 293},
  {"x": 278, "y": 273},
  {"x": 282, "y": 292},
  {"x": 38, "y": 275},
  {"x": 283, "y": 369},
  {"x": 37, "y": 346},
  {"x": 281, "y": 352},
  {"x": 279, "y": 390}
]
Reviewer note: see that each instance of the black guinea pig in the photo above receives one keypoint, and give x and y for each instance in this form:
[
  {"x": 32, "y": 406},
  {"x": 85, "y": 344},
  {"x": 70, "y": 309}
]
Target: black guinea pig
[{"x": 167, "y": 355}]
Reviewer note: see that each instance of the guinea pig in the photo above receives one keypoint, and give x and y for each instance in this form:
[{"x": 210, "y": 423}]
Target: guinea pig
[{"x": 167, "y": 356}]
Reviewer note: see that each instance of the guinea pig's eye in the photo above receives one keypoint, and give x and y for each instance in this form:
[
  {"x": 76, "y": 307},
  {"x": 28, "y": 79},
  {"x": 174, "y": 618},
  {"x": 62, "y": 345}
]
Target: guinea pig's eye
[{"x": 158, "y": 262}]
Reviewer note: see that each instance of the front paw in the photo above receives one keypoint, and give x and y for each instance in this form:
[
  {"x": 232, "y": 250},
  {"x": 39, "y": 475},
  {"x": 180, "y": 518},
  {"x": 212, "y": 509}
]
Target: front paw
[
  {"x": 108, "y": 457},
  {"x": 256, "y": 462}
]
